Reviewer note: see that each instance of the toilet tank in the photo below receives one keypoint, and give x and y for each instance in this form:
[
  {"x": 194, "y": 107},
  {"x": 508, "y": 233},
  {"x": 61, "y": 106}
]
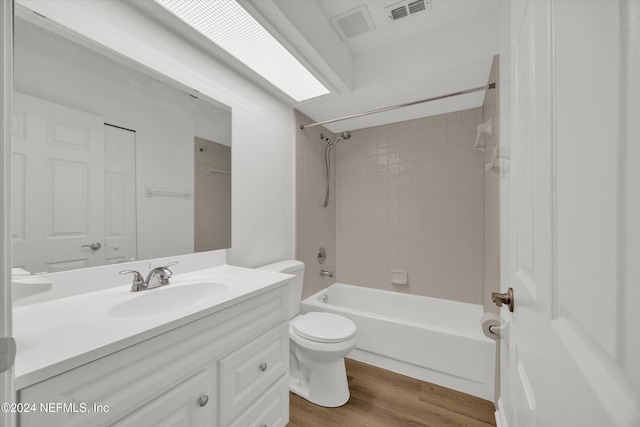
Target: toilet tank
[{"x": 295, "y": 285}]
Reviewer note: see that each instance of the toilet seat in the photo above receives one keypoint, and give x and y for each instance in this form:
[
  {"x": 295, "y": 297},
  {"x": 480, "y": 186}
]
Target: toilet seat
[{"x": 323, "y": 327}]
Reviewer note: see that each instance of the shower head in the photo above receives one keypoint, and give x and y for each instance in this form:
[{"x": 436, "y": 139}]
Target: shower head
[{"x": 343, "y": 135}]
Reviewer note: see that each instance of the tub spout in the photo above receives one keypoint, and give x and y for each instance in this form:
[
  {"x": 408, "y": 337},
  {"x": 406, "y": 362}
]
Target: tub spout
[{"x": 325, "y": 273}]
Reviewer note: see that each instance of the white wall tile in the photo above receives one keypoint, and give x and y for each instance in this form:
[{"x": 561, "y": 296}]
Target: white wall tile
[{"x": 418, "y": 208}]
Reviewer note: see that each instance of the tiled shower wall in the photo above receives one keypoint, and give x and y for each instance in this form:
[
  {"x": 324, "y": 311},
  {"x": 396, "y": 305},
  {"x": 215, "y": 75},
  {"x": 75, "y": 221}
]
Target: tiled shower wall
[
  {"x": 212, "y": 198},
  {"x": 409, "y": 197},
  {"x": 315, "y": 224},
  {"x": 492, "y": 197}
]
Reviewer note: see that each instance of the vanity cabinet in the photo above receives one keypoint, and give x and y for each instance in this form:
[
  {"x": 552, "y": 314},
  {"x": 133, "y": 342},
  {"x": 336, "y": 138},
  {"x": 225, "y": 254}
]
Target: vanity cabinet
[{"x": 228, "y": 368}]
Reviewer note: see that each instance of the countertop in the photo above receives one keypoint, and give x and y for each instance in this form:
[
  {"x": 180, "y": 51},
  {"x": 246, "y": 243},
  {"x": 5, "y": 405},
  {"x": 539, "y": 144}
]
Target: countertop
[{"x": 61, "y": 334}]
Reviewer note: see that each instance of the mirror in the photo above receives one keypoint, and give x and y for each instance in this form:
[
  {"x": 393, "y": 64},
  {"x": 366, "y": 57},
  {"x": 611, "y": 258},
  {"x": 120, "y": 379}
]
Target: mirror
[{"x": 112, "y": 162}]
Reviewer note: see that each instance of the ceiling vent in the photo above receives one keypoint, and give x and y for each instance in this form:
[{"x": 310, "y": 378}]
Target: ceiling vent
[
  {"x": 406, "y": 8},
  {"x": 353, "y": 22}
]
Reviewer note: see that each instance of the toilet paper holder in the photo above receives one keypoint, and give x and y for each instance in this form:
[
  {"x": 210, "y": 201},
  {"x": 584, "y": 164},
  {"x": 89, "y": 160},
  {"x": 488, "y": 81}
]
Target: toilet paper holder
[{"x": 505, "y": 298}]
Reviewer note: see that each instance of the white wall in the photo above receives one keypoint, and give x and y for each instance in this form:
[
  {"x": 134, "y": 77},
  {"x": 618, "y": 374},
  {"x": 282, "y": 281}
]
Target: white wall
[{"x": 262, "y": 126}]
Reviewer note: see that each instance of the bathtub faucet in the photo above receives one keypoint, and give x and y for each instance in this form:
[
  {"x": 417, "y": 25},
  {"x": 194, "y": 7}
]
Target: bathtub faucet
[{"x": 325, "y": 273}]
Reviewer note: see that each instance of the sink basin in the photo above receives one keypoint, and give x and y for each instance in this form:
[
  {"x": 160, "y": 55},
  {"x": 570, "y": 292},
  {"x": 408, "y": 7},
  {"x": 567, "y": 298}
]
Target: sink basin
[{"x": 164, "y": 299}]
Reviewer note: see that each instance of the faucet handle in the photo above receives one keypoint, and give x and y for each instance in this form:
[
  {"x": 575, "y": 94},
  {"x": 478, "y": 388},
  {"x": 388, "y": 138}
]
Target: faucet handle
[
  {"x": 166, "y": 274},
  {"x": 138, "y": 280},
  {"x": 159, "y": 276},
  {"x": 171, "y": 263}
]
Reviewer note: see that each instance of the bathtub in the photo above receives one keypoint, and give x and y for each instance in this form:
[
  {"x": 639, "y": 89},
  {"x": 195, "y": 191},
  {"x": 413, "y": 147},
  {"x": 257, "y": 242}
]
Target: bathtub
[{"x": 431, "y": 339}]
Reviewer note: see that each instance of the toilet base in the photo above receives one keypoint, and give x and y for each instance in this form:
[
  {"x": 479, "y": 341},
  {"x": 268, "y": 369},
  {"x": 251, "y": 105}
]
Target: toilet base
[{"x": 327, "y": 385}]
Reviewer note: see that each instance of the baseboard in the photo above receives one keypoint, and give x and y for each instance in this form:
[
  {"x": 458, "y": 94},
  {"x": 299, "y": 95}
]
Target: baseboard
[
  {"x": 483, "y": 391},
  {"x": 501, "y": 420}
]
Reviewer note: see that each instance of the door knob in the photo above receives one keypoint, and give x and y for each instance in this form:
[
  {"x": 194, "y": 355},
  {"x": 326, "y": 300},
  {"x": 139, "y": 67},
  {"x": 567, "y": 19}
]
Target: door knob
[
  {"x": 94, "y": 246},
  {"x": 203, "y": 400},
  {"x": 506, "y": 298}
]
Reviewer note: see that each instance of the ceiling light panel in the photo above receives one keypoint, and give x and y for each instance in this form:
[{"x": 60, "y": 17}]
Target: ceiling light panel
[{"x": 228, "y": 25}]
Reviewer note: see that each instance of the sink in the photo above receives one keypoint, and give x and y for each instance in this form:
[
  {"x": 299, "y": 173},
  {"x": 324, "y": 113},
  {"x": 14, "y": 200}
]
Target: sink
[
  {"x": 157, "y": 301},
  {"x": 165, "y": 299}
]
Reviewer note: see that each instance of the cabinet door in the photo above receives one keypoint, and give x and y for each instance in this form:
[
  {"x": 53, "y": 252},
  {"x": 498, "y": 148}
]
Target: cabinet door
[
  {"x": 270, "y": 410},
  {"x": 246, "y": 373},
  {"x": 190, "y": 404}
]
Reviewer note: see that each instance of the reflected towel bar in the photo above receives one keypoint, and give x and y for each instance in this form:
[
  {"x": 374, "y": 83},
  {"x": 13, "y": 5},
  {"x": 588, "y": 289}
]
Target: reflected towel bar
[
  {"x": 155, "y": 192},
  {"x": 211, "y": 169}
]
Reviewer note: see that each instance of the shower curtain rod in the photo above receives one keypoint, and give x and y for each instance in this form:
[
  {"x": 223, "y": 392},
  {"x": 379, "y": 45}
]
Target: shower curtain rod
[{"x": 408, "y": 104}]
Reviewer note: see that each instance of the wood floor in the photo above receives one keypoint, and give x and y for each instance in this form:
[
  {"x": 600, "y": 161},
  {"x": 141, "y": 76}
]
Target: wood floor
[{"x": 380, "y": 398}]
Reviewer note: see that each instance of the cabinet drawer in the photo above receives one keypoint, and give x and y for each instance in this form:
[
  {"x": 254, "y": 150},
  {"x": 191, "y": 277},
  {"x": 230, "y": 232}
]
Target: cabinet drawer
[
  {"x": 247, "y": 372},
  {"x": 270, "y": 410},
  {"x": 190, "y": 404}
]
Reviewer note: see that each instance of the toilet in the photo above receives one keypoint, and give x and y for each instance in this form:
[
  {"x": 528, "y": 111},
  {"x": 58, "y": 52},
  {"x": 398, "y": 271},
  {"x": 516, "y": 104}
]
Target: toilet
[{"x": 318, "y": 343}]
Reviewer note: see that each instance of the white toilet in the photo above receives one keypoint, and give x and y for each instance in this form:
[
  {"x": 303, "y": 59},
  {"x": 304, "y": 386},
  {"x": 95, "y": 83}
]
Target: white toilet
[{"x": 318, "y": 343}]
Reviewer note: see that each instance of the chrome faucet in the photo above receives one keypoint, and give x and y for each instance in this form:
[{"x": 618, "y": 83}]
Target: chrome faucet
[
  {"x": 326, "y": 273},
  {"x": 158, "y": 276}
]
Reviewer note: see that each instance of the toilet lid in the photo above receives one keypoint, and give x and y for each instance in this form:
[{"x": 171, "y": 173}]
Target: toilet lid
[{"x": 324, "y": 327}]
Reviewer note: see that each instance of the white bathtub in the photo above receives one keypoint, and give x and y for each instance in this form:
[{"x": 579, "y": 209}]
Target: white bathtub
[{"x": 434, "y": 340}]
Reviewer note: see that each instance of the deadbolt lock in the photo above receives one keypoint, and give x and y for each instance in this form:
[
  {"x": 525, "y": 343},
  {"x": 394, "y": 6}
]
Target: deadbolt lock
[{"x": 506, "y": 298}]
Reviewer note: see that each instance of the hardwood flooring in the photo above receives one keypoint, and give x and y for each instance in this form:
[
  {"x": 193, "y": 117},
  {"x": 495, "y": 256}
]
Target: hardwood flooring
[{"x": 381, "y": 398}]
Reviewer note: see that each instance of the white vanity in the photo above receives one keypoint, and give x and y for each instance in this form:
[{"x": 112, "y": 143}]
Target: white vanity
[{"x": 210, "y": 349}]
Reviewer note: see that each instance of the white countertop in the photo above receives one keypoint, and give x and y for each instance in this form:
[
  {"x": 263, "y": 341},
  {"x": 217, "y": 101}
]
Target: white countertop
[{"x": 61, "y": 334}]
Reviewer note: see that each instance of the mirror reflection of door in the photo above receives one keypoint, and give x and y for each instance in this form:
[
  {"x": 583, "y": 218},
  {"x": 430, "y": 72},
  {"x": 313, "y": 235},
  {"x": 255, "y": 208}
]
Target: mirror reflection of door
[
  {"x": 120, "y": 229},
  {"x": 212, "y": 201},
  {"x": 71, "y": 208}
]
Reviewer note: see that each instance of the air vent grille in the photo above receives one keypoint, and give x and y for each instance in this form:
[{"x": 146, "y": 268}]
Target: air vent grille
[
  {"x": 416, "y": 6},
  {"x": 353, "y": 22},
  {"x": 399, "y": 12},
  {"x": 406, "y": 8}
]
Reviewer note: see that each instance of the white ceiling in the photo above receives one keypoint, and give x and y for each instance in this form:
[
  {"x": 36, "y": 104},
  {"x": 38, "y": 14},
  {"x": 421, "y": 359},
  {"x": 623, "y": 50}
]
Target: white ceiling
[
  {"x": 440, "y": 13},
  {"x": 446, "y": 49}
]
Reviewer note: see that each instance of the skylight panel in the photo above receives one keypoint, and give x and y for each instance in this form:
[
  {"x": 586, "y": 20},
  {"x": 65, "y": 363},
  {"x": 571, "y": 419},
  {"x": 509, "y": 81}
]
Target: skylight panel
[{"x": 228, "y": 25}]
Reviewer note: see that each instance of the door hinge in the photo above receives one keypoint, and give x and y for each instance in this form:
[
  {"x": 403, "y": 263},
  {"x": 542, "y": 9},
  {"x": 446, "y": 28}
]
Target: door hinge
[{"x": 7, "y": 353}]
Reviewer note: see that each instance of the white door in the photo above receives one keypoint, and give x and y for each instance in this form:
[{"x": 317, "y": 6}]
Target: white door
[
  {"x": 7, "y": 383},
  {"x": 73, "y": 188},
  {"x": 58, "y": 163},
  {"x": 572, "y": 353}
]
